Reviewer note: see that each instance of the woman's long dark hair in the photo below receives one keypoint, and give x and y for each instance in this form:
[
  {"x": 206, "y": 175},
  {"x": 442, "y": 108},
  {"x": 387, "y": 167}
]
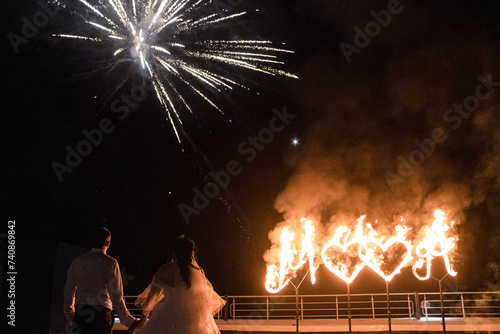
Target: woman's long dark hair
[{"x": 185, "y": 253}]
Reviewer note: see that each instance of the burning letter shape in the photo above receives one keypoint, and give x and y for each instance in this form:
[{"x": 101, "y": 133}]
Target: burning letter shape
[
  {"x": 435, "y": 244},
  {"x": 278, "y": 278}
]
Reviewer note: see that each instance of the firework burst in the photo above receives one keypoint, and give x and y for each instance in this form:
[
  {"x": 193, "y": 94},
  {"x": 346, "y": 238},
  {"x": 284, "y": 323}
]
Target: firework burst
[{"x": 160, "y": 36}]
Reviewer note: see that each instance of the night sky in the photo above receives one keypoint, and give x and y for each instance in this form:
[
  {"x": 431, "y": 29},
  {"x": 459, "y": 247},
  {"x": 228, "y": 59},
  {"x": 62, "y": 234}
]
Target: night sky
[{"x": 359, "y": 112}]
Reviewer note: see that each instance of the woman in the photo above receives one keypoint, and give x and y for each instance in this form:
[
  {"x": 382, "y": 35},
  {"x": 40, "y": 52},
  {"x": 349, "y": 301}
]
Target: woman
[{"x": 180, "y": 299}]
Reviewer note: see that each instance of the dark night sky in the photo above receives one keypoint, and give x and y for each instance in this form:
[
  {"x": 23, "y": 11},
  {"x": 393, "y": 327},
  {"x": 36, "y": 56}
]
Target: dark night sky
[{"x": 353, "y": 120}]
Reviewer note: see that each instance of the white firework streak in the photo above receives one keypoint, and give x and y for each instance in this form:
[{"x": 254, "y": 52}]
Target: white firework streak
[{"x": 153, "y": 31}]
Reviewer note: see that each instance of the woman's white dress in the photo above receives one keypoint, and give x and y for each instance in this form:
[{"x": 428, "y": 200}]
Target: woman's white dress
[{"x": 175, "y": 308}]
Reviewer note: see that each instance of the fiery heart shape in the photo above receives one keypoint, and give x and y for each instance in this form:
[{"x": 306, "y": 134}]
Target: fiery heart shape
[
  {"x": 382, "y": 256},
  {"x": 341, "y": 257}
]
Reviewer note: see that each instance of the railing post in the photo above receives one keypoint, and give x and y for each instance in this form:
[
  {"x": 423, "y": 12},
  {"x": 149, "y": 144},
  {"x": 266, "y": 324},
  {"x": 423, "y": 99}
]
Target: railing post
[
  {"x": 463, "y": 306},
  {"x": 443, "y": 312},
  {"x": 417, "y": 306},
  {"x": 234, "y": 308},
  {"x": 337, "y": 306},
  {"x": 426, "y": 304},
  {"x": 267, "y": 308},
  {"x": 226, "y": 308},
  {"x": 301, "y": 307},
  {"x": 409, "y": 306},
  {"x": 373, "y": 308}
]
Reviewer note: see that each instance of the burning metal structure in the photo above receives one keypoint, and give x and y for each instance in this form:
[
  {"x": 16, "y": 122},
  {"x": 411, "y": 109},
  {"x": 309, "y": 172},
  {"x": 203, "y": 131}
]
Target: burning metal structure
[{"x": 349, "y": 251}]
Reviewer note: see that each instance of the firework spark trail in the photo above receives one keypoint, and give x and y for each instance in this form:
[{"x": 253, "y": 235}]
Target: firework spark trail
[{"x": 154, "y": 32}]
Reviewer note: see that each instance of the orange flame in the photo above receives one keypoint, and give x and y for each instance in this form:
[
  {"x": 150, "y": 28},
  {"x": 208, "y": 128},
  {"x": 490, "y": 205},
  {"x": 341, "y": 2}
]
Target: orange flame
[
  {"x": 277, "y": 279},
  {"x": 373, "y": 252},
  {"x": 435, "y": 243},
  {"x": 344, "y": 261},
  {"x": 346, "y": 253}
]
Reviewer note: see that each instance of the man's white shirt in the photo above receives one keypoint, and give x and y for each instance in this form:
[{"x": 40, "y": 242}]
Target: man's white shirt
[{"x": 96, "y": 280}]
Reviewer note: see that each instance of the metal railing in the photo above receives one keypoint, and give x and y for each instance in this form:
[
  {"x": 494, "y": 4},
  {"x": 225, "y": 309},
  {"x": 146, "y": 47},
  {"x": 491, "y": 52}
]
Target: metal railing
[
  {"x": 403, "y": 305},
  {"x": 134, "y": 311},
  {"x": 456, "y": 304},
  {"x": 461, "y": 304},
  {"x": 320, "y": 306}
]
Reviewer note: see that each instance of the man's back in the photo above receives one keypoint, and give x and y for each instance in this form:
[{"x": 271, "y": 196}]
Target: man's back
[
  {"x": 93, "y": 274},
  {"x": 94, "y": 280}
]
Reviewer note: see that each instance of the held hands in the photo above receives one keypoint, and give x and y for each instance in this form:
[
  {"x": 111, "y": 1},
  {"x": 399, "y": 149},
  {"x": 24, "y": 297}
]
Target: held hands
[
  {"x": 134, "y": 326},
  {"x": 144, "y": 317},
  {"x": 137, "y": 323}
]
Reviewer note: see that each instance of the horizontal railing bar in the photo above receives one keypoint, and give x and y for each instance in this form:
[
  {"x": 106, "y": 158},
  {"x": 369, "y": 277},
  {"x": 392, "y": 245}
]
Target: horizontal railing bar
[
  {"x": 344, "y": 302},
  {"x": 353, "y": 295},
  {"x": 326, "y": 316},
  {"x": 457, "y": 304},
  {"x": 357, "y": 308},
  {"x": 459, "y": 307}
]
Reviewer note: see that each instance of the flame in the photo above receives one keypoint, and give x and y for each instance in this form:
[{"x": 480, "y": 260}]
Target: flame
[
  {"x": 369, "y": 252},
  {"x": 435, "y": 243},
  {"x": 278, "y": 278},
  {"x": 349, "y": 271},
  {"x": 347, "y": 253}
]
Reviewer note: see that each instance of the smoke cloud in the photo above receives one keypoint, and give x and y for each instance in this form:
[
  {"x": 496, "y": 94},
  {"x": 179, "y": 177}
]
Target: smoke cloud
[{"x": 376, "y": 110}]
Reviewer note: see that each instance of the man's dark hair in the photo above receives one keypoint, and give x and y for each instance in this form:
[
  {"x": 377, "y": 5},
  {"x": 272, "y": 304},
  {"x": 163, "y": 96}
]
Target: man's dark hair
[{"x": 101, "y": 235}]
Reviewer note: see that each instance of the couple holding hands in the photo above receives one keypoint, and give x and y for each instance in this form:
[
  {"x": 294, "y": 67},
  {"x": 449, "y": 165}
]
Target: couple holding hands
[{"x": 179, "y": 300}]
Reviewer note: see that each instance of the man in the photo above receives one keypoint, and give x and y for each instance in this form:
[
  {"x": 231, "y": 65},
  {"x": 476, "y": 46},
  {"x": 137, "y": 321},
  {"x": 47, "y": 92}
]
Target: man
[{"x": 96, "y": 280}]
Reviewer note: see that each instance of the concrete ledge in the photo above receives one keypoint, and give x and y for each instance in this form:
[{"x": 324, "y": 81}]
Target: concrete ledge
[{"x": 359, "y": 325}]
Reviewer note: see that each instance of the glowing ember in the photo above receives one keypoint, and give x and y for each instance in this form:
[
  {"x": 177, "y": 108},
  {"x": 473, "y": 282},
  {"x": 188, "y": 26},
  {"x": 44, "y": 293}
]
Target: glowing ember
[
  {"x": 435, "y": 243},
  {"x": 340, "y": 254}
]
